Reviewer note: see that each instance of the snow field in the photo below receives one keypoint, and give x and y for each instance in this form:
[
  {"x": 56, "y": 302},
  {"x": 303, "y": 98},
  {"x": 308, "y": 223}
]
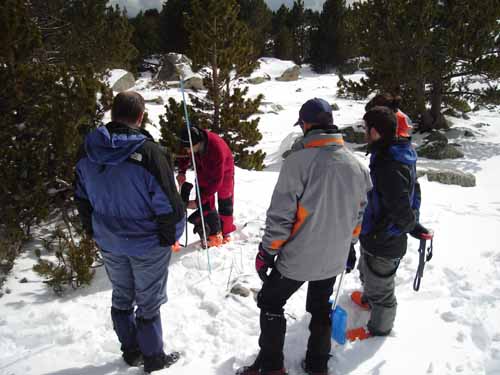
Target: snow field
[{"x": 450, "y": 327}]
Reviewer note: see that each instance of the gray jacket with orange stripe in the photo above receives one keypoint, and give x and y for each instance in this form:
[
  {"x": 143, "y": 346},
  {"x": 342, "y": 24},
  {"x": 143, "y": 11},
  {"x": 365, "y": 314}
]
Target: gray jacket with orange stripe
[{"x": 316, "y": 208}]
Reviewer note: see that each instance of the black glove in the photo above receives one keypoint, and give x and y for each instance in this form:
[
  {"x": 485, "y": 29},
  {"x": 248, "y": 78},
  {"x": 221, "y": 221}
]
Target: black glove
[
  {"x": 263, "y": 262},
  {"x": 419, "y": 231},
  {"x": 167, "y": 231},
  {"x": 351, "y": 259},
  {"x": 185, "y": 191}
]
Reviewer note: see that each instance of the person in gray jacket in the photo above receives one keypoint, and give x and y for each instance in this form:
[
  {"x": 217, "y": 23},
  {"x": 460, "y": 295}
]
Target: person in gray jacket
[{"x": 315, "y": 214}]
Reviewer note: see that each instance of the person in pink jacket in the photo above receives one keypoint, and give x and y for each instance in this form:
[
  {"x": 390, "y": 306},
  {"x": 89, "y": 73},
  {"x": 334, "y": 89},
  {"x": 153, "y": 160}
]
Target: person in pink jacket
[{"x": 215, "y": 173}]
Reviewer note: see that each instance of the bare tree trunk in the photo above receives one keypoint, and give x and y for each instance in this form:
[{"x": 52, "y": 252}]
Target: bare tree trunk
[{"x": 438, "y": 119}]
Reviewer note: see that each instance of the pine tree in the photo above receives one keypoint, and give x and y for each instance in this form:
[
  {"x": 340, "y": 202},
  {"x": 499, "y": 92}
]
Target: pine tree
[
  {"x": 258, "y": 17},
  {"x": 48, "y": 101},
  {"x": 173, "y": 32},
  {"x": 283, "y": 42},
  {"x": 146, "y": 37},
  {"x": 430, "y": 52},
  {"x": 329, "y": 40},
  {"x": 219, "y": 40},
  {"x": 298, "y": 27}
]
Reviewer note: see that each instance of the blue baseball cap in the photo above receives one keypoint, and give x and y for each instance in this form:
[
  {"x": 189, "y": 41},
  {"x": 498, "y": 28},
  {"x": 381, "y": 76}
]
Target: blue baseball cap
[{"x": 315, "y": 111}]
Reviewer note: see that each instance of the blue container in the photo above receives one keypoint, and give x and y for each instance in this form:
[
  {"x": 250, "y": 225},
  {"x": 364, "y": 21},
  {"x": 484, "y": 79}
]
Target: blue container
[{"x": 339, "y": 324}]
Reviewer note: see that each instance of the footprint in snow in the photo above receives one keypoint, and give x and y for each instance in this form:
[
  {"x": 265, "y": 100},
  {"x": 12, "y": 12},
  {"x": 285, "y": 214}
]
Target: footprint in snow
[{"x": 449, "y": 317}]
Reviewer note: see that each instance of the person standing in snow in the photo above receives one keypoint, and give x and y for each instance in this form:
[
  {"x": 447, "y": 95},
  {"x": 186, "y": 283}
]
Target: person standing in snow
[
  {"x": 215, "y": 173},
  {"x": 403, "y": 128},
  {"x": 314, "y": 216},
  {"x": 391, "y": 213},
  {"x": 127, "y": 200}
]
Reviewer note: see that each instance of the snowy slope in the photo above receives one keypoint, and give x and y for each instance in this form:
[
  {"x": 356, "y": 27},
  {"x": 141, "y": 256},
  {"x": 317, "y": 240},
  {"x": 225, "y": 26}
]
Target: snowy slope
[{"x": 451, "y": 326}]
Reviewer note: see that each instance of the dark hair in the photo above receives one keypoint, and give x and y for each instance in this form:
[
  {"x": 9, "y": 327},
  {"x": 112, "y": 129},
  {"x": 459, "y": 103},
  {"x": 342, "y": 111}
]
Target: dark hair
[
  {"x": 384, "y": 120},
  {"x": 197, "y": 136},
  {"x": 127, "y": 107},
  {"x": 384, "y": 100}
]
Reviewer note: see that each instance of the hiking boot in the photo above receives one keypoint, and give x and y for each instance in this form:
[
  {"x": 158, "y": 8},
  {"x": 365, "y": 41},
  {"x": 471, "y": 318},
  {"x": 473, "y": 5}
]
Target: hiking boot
[
  {"x": 360, "y": 333},
  {"x": 311, "y": 372},
  {"x": 359, "y": 299},
  {"x": 160, "y": 361},
  {"x": 215, "y": 240},
  {"x": 133, "y": 358}
]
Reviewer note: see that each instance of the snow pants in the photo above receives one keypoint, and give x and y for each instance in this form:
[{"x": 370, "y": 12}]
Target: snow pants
[
  {"x": 377, "y": 275},
  {"x": 271, "y": 299},
  {"x": 225, "y": 201},
  {"x": 138, "y": 281}
]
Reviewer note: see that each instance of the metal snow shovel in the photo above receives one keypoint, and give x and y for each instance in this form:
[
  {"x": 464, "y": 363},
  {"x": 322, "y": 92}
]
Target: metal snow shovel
[{"x": 338, "y": 317}]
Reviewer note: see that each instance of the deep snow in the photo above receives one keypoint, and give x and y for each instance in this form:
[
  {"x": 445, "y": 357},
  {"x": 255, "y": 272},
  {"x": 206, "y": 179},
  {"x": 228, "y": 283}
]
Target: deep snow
[{"x": 451, "y": 326}]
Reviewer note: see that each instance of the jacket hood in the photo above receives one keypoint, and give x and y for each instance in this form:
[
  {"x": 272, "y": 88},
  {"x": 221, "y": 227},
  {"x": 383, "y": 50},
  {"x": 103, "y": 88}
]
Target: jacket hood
[
  {"x": 403, "y": 152},
  {"x": 113, "y": 147}
]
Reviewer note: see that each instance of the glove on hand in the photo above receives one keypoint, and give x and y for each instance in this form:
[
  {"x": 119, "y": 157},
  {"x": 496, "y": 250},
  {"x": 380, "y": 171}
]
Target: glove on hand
[
  {"x": 185, "y": 192},
  {"x": 420, "y": 232},
  {"x": 263, "y": 262},
  {"x": 351, "y": 259}
]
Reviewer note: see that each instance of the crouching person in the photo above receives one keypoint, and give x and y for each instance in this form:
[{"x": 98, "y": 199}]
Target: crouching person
[
  {"x": 215, "y": 173},
  {"x": 315, "y": 212},
  {"x": 126, "y": 197}
]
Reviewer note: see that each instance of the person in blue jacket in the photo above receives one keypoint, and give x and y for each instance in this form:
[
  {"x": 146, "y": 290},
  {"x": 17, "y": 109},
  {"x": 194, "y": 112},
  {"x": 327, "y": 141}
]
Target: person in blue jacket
[
  {"x": 127, "y": 200},
  {"x": 392, "y": 212}
]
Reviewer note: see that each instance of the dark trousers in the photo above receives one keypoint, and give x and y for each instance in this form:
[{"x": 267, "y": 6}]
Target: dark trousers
[{"x": 271, "y": 299}]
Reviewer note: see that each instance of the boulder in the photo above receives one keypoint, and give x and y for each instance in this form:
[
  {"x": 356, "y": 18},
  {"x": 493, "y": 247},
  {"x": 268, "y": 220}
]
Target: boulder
[
  {"x": 158, "y": 100},
  {"x": 436, "y": 136},
  {"x": 452, "y": 113},
  {"x": 354, "y": 134},
  {"x": 468, "y": 134},
  {"x": 291, "y": 74},
  {"x": 260, "y": 79},
  {"x": 240, "y": 290},
  {"x": 438, "y": 151},
  {"x": 173, "y": 66},
  {"x": 449, "y": 177},
  {"x": 480, "y": 125},
  {"x": 194, "y": 83},
  {"x": 125, "y": 82}
]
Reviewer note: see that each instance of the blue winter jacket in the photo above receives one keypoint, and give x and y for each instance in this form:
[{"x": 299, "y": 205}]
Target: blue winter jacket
[
  {"x": 125, "y": 191},
  {"x": 394, "y": 202}
]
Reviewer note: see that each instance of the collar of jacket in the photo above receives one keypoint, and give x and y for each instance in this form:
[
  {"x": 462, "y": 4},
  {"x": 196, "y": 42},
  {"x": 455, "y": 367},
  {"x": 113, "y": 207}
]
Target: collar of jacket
[
  {"x": 382, "y": 147},
  {"x": 120, "y": 128},
  {"x": 319, "y": 138}
]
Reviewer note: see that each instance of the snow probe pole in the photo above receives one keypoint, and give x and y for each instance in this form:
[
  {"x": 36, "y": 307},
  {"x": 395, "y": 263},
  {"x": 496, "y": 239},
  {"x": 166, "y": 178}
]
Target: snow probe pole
[
  {"x": 339, "y": 317},
  {"x": 200, "y": 206},
  {"x": 422, "y": 258}
]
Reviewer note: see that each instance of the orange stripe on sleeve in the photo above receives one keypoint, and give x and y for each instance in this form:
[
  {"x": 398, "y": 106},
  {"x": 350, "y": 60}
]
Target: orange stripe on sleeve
[
  {"x": 357, "y": 231},
  {"x": 323, "y": 142},
  {"x": 277, "y": 244},
  {"x": 300, "y": 219}
]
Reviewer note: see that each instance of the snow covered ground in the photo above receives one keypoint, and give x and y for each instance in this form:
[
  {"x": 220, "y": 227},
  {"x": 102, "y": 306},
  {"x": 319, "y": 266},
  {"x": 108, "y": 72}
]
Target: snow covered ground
[{"x": 452, "y": 326}]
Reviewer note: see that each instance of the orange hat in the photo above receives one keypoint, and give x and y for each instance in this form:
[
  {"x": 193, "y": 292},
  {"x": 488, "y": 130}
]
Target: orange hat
[{"x": 403, "y": 128}]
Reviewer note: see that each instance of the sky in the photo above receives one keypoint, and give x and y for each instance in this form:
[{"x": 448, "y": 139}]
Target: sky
[{"x": 134, "y": 6}]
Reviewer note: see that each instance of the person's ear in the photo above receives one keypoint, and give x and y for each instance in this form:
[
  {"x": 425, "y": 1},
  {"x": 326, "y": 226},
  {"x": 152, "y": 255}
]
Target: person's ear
[
  {"x": 374, "y": 134},
  {"x": 139, "y": 120}
]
